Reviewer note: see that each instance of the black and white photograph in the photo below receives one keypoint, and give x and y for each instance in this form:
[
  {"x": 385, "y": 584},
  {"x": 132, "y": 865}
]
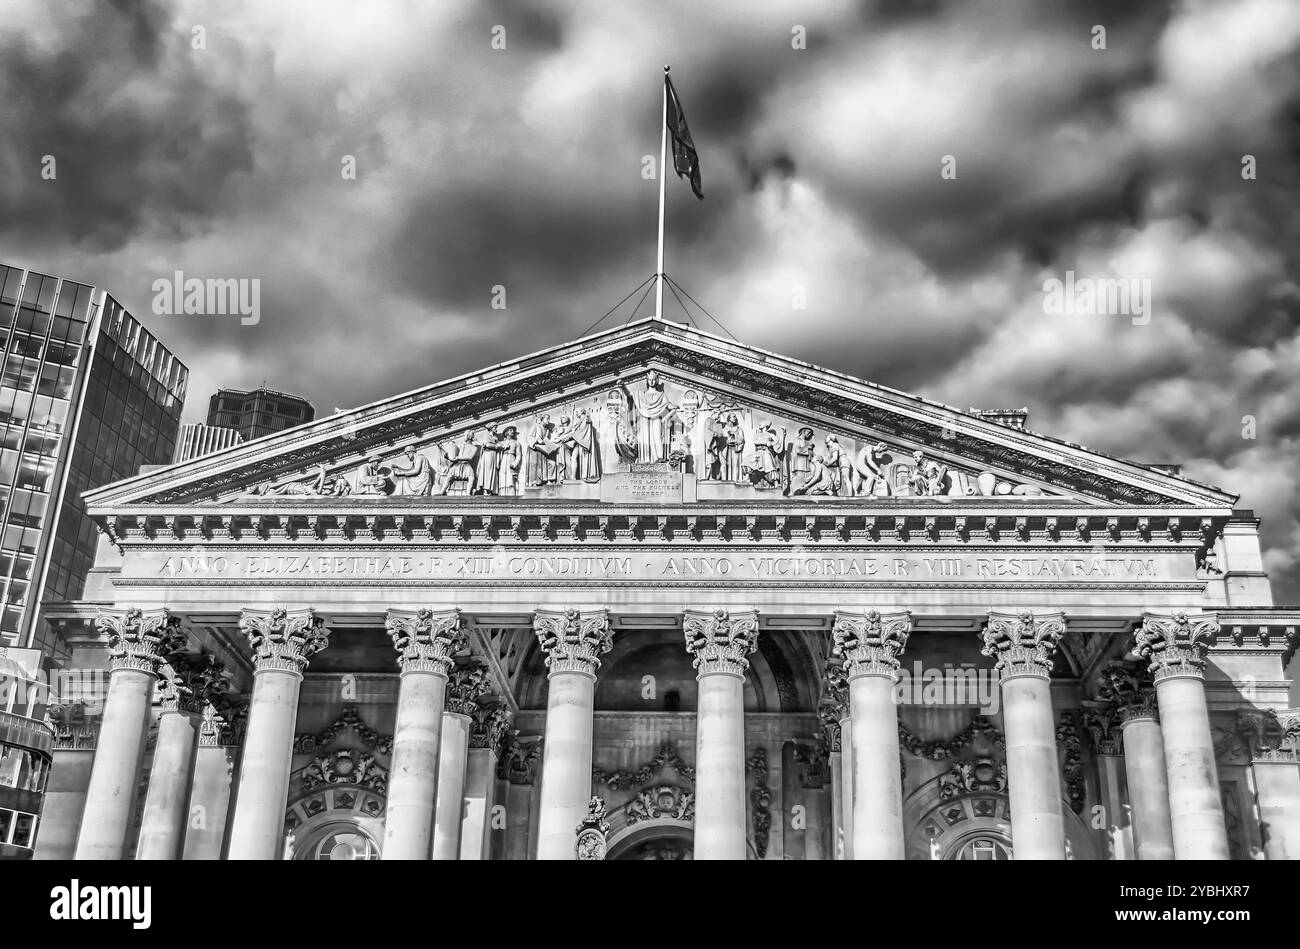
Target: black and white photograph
[{"x": 512, "y": 430}]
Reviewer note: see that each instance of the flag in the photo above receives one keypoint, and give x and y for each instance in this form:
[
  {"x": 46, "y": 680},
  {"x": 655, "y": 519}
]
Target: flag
[{"x": 686, "y": 160}]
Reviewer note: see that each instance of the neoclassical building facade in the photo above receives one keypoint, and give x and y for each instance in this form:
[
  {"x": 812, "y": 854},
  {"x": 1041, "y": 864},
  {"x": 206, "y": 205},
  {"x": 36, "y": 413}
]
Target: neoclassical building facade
[{"x": 760, "y": 609}]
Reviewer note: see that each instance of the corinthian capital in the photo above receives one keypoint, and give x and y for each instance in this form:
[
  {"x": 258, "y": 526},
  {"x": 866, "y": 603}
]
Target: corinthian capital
[
  {"x": 189, "y": 683},
  {"x": 139, "y": 639},
  {"x": 870, "y": 643},
  {"x": 283, "y": 640},
  {"x": 720, "y": 641},
  {"x": 488, "y": 727},
  {"x": 1175, "y": 643},
  {"x": 1023, "y": 643},
  {"x": 1127, "y": 688},
  {"x": 426, "y": 641},
  {"x": 573, "y": 641},
  {"x": 464, "y": 686}
]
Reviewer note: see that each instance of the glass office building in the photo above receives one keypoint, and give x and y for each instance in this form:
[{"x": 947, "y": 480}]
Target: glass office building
[{"x": 87, "y": 396}]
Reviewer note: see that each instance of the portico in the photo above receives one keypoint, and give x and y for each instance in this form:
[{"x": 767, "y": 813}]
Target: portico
[{"x": 734, "y": 650}]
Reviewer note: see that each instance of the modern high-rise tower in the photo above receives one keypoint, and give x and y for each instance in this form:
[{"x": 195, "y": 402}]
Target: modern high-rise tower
[{"x": 87, "y": 396}]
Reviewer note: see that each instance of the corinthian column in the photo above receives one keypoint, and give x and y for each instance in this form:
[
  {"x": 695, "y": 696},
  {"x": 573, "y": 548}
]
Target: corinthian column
[
  {"x": 1175, "y": 645},
  {"x": 426, "y": 644},
  {"x": 464, "y": 687},
  {"x": 187, "y": 685},
  {"x": 1022, "y": 645},
  {"x": 573, "y": 643},
  {"x": 1134, "y": 697},
  {"x": 137, "y": 641},
  {"x": 869, "y": 645},
  {"x": 720, "y": 641},
  {"x": 283, "y": 641}
]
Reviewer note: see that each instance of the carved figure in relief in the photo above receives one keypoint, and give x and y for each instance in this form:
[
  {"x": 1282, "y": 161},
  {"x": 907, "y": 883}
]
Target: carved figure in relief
[
  {"x": 769, "y": 456},
  {"x": 543, "y": 453},
  {"x": 837, "y": 462},
  {"x": 653, "y": 421},
  {"x": 869, "y": 471},
  {"x": 733, "y": 456},
  {"x": 370, "y": 480},
  {"x": 801, "y": 455},
  {"x": 487, "y": 466},
  {"x": 416, "y": 478},
  {"x": 818, "y": 479},
  {"x": 583, "y": 449},
  {"x": 917, "y": 481},
  {"x": 323, "y": 485},
  {"x": 560, "y": 435},
  {"x": 461, "y": 476},
  {"x": 512, "y": 459}
]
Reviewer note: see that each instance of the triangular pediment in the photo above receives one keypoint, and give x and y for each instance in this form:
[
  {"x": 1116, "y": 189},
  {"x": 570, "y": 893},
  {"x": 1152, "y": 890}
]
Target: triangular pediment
[{"x": 725, "y": 420}]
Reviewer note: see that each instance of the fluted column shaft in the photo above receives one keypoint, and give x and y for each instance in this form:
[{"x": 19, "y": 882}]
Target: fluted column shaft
[
  {"x": 573, "y": 643},
  {"x": 282, "y": 641},
  {"x": 426, "y": 644},
  {"x": 1176, "y": 646},
  {"x": 720, "y": 642},
  {"x": 138, "y": 641},
  {"x": 869, "y": 645},
  {"x": 1023, "y": 645}
]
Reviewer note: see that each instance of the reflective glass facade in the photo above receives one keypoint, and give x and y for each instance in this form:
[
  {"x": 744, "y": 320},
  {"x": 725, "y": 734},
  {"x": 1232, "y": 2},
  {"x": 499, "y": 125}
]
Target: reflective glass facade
[{"x": 87, "y": 396}]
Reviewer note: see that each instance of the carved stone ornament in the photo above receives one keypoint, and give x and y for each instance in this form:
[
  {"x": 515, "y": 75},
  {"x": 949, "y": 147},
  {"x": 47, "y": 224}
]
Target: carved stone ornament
[
  {"x": 973, "y": 776},
  {"x": 190, "y": 683},
  {"x": 814, "y": 768},
  {"x": 1067, "y": 738},
  {"x": 644, "y": 776},
  {"x": 1270, "y": 735},
  {"x": 1128, "y": 688},
  {"x": 346, "y": 766},
  {"x": 1023, "y": 643},
  {"x": 518, "y": 763},
  {"x": 980, "y": 729},
  {"x": 283, "y": 640},
  {"x": 665, "y": 801},
  {"x": 426, "y": 641},
  {"x": 573, "y": 641},
  {"x": 223, "y": 723},
  {"x": 720, "y": 641},
  {"x": 1101, "y": 721},
  {"x": 139, "y": 639},
  {"x": 1175, "y": 644},
  {"x": 870, "y": 643},
  {"x": 465, "y": 685},
  {"x": 305, "y": 743},
  {"x": 831, "y": 714},
  {"x": 760, "y": 801},
  {"x": 488, "y": 727},
  {"x": 593, "y": 832}
]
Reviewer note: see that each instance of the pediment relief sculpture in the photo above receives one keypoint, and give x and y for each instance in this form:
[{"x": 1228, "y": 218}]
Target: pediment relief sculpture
[{"x": 731, "y": 449}]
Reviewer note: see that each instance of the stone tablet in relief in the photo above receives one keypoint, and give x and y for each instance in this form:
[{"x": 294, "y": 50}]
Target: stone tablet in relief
[{"x": 643, "y": 483}]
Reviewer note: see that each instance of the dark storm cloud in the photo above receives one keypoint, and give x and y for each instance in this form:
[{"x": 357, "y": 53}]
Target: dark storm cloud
[{"x": 124, "y": 164}]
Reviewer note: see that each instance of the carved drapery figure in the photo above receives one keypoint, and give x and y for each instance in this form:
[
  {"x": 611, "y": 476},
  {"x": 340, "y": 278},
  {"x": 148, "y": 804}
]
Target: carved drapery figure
[
  {"x": 732, "y": 466},
  {"x": 487, "y": 466},
  {"x": 370, "y": 480},
  {"x": 769, "y": 456},
  {"x": 837, "y": 463},
  {"x": 801, "y": 455},
  {"x": 869, "y": 471},
  {"x": 561, "y": 436},
  {"x": 653, "y": 427},
  {"x": 584, "y": 449},
  {"x": 461, "y": 476},
  {"x": 512, "y": 459},
  {"x": 324, "y": 485},
  {"x": 543, "y": 453},
  {"x": 415, "y": 477}
]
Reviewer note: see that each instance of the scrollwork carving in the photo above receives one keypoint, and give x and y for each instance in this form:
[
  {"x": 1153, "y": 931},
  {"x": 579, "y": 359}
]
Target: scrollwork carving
[
  {"x": 573, "y": 641},
  {"x": 720, "y": 640},
  {"x": 1175, "y": 644},
  {"x": 1023, "y": 643}
]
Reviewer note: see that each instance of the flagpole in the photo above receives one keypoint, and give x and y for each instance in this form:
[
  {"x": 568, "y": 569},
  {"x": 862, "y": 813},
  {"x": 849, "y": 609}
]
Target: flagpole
[{"x": 663, "y": 177}]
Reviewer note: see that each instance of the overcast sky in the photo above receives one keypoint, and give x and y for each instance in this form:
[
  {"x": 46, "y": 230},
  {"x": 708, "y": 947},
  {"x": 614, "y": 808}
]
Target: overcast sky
[{"x": 522, "y": 167}]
